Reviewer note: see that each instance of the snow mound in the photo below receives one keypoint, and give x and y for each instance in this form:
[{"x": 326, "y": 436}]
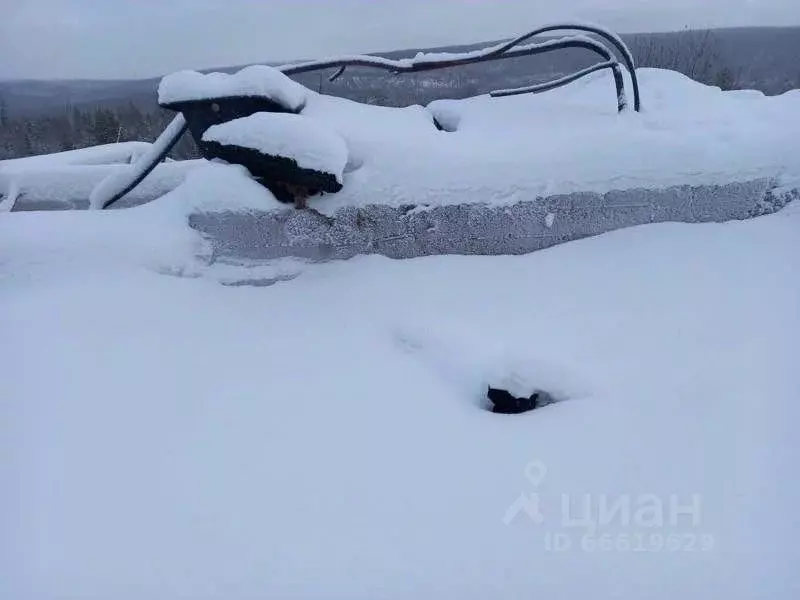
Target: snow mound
[
  {"x": 501, "y": 151},
  {"x": 310, "y": 143},
  {"x": 257, "y": 80},
  {"x": 217, "y": 188}
]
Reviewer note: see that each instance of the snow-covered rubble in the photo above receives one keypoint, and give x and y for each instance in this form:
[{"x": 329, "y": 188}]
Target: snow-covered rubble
[{"x": 513, "y": 175}]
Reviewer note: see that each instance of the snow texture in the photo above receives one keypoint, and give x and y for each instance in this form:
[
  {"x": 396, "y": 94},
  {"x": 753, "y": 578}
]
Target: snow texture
[
  {"x": 412, "y": 231},
  {"x": 325, "y": 437},
  {"x": 307, "y": 141},
  {"x": 502, "y": 151},
  {"x": 257, "y": 80}
]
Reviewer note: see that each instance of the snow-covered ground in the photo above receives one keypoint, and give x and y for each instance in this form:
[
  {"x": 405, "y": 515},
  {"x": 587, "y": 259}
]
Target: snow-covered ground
[{"x": 164, "y": 436}]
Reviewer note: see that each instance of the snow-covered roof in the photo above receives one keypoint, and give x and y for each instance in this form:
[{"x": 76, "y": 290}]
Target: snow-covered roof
[{"x": 257, "y": 80}]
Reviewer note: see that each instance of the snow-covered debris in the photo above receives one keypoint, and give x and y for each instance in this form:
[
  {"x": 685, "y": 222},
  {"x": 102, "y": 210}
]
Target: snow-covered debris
[
  {"x": 257, "y": 80},
  {"x": 311, "y": 143},
  {"x": 571, "y": 139},
  {"x": 500, "y": 151}
]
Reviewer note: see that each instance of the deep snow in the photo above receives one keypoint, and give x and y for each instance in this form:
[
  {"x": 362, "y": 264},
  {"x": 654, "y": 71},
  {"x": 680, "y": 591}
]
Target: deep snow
[{"x": 164, "y": 436}]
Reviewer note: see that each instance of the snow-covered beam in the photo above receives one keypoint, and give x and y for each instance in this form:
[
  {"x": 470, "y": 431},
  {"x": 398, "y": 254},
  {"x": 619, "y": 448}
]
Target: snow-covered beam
[{"x": 412, "y": 231}]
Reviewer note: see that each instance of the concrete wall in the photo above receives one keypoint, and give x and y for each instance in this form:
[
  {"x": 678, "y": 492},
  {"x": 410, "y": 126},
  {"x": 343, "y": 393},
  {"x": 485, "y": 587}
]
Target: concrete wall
[{"x": 408, "y": 232}]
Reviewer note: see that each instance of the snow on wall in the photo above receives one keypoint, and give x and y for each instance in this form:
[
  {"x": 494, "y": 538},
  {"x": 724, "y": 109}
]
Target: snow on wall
[{"x": 411, "y": 231}]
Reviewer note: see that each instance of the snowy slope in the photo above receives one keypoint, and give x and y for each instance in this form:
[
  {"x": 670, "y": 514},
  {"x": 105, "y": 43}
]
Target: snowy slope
[{"x": 169, "y": 437}]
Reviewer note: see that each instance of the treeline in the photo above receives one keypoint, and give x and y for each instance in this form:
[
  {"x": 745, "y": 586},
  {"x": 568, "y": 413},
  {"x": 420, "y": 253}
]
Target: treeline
[{"x": 75, "y": 128}]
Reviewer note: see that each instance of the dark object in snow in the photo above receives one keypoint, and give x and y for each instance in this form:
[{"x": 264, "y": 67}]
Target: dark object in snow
[
  {"x": 288, "y": 181},
  {"x": 506, "y": 403},
  {"x": 202, "y": 114}
]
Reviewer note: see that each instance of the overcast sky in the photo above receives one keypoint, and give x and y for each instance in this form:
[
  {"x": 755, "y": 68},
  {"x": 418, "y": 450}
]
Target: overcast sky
[{"x": 145, "y": 38}]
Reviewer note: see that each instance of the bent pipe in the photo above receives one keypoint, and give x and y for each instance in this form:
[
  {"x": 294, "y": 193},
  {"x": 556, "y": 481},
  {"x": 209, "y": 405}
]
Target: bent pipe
[
  {"x": 508, "y": 50},
  {"x": 164, "y": 144},
  {"x": 555, "y": 83},
  {"x": 615, "y": 40}
]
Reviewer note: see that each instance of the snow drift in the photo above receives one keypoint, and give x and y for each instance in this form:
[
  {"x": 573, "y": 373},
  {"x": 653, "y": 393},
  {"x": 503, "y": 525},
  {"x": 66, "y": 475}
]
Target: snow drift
[{"x": 169, "y": 437}]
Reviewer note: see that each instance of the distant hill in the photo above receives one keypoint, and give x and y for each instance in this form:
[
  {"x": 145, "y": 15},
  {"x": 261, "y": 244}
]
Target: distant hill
[{"x": 759, "y": 58}]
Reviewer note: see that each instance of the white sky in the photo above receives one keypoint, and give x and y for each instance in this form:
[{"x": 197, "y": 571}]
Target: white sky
[{"x": 145, "y": 38}]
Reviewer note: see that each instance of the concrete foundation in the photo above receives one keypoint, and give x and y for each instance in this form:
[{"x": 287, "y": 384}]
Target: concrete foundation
[{"x": 411, "y": 231}]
